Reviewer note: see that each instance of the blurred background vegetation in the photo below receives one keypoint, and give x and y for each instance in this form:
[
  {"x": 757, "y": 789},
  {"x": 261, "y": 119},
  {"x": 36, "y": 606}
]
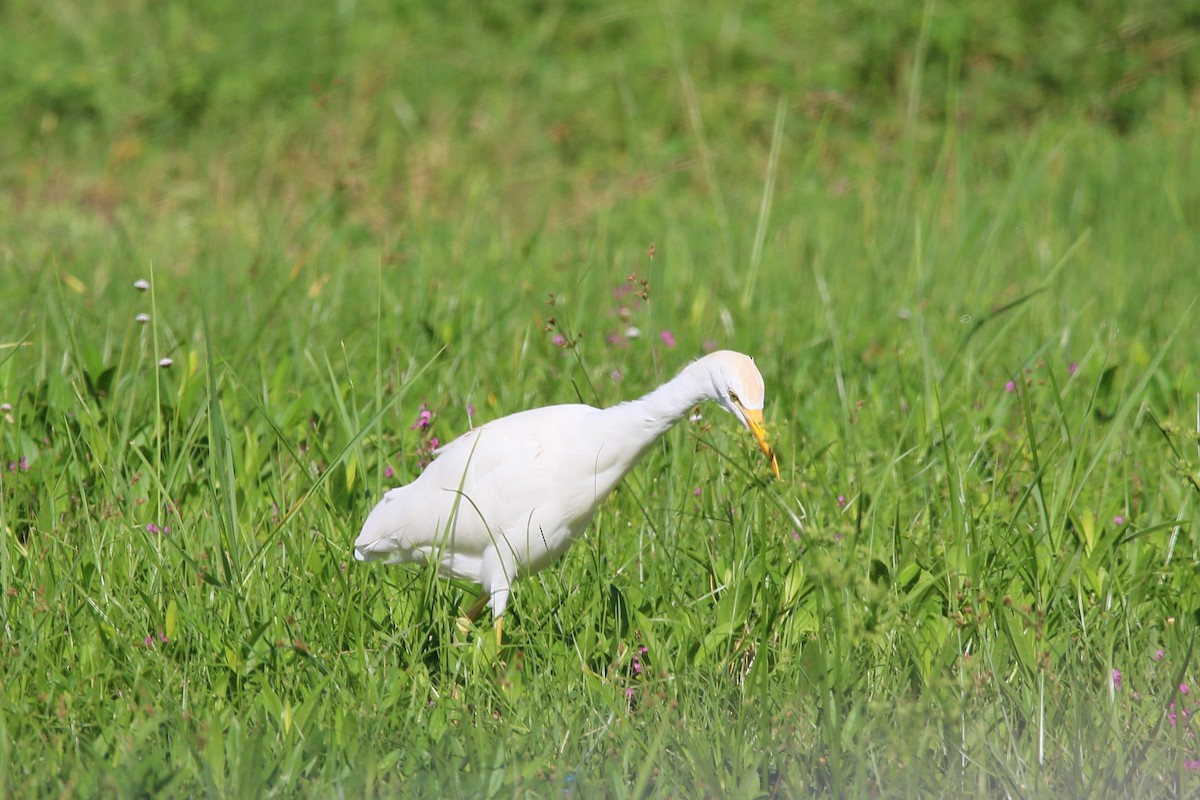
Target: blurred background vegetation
[
  {"x": 232, "y": 128},
  {"x": 167, "y": 70}
]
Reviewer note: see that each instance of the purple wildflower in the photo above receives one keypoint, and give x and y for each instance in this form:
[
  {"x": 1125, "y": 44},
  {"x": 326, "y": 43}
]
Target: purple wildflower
[
  {"x": 1010, "y": 387},
  {"x": 388, "y": 472},
  {"x": 629, "y": 691},
  {"x": 1072, "y": 368},
  {"x": 696, "y": 492},
  {"x": 1184, "y": 689},
  {"x": 668, "y": 338},
  {"x": 424, "y": 419},
  {"x": 559, "y": 340},
  {"x": 1116, "y": 679},
  {"x": 841, "y": 501},
  {"x": 637, "y": 666},
  {"x": 1158, "y": 654},
  {"x": 1118, "y": 520}
]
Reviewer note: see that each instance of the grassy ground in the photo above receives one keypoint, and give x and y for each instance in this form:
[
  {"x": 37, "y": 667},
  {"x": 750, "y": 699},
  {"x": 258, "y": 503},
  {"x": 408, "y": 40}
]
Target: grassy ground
[{"x": 960, "y": 243}]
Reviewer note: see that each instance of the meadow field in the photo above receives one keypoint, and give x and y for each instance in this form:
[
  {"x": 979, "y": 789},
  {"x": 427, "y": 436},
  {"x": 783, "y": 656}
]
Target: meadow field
[{"x": 243, "y": 249}]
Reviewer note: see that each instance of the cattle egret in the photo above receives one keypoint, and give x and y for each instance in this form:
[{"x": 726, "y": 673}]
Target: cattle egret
[{"x": 508, "y": 498}]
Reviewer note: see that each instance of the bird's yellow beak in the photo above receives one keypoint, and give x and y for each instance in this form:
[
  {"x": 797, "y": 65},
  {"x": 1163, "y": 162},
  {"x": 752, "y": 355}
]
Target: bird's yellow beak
[{"x": 754, "y": 419}]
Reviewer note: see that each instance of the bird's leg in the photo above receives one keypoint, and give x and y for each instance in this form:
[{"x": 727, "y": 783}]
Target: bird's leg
[
  {"x": 499, "y": 605},
  {"x": 465, "y": 621}
]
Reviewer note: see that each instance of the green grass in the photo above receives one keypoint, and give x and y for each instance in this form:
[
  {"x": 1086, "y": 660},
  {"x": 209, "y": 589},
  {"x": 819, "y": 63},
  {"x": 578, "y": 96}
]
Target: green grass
[{"x": 961, "y": 249}]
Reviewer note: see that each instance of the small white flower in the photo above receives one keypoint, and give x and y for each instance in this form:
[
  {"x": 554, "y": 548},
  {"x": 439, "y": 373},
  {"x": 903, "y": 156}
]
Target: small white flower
[
  {"x": 632, "y": 332},
  {"x": 142, "y": 318},
  {"x": 5, "y": 408},
  {"x": 141, "y": 284},
  {"x": 166, "y": 362}
]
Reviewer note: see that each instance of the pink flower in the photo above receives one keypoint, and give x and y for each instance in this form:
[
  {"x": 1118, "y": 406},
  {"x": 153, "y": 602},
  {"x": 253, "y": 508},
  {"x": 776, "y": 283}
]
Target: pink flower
[
  {"x": 388, "y": 472},
  {"x": 1010, "y": 387},
  {"x": 637, "y": 666},
  {"x": 470, "y": 409},
  {"x": 433, "y": 443},
  {"x": 1116, "y": 678},
  {"x": 614, "y": 339},
  {"x": 629, "y": 691},
  {"x": 696, "y": 492},
  {"x": 668, "y": 338},
  {"x": 643, "y": 649},
  {"x": 841, "y": 501},
  {"x": 1073, "y": 368},
  {"x": 1158, "y": 654},
  {"x": 424, "y": 420},
  {"x": 1183, "y": 688},
  {"x": 1118, "y": 520}
]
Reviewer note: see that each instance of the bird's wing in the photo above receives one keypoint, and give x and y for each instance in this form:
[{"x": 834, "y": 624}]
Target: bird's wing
[
  {"x": 509, "y": 467},
  {"x": 525, "y": 470}
]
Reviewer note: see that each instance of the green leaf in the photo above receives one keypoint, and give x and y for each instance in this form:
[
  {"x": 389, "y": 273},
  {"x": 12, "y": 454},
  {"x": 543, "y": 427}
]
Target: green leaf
[{"x": 172, "y": 618}]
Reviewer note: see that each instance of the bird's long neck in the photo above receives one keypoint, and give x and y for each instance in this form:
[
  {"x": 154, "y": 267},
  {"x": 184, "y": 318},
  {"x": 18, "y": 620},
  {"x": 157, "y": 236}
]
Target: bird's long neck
[{"x": 649, "y": 417}]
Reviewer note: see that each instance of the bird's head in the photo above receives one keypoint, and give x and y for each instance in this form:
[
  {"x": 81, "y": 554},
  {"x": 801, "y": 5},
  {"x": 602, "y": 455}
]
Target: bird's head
[{"x": 738, "y": 387}]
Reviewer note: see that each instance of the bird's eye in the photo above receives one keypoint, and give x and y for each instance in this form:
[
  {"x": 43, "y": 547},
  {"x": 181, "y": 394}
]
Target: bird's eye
[{"x": 733, "y": 396}]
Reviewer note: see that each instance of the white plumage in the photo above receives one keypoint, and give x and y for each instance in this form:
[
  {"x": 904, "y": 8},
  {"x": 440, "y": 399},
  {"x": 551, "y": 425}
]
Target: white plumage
[{"x": 508, "y": 498}]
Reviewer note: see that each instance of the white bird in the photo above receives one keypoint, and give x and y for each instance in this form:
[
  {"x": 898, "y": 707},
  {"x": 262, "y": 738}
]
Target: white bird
[{"x": 508, "y": 498}]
